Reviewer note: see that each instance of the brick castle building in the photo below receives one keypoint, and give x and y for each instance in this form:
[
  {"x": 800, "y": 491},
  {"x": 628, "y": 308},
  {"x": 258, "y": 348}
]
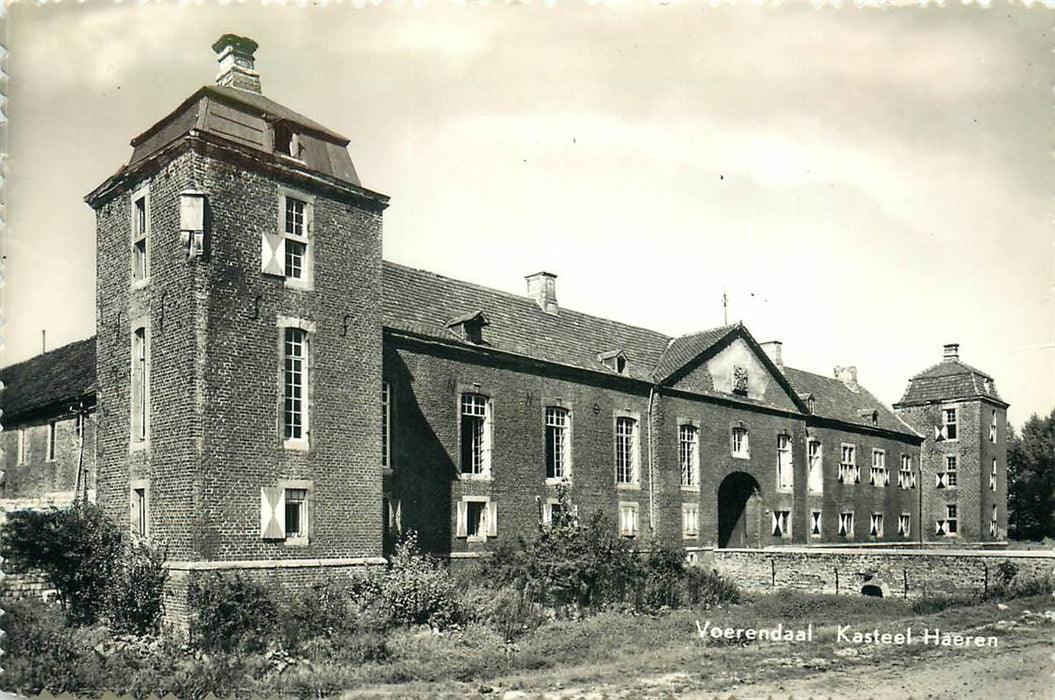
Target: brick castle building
[{"x": 265, "y": 392}]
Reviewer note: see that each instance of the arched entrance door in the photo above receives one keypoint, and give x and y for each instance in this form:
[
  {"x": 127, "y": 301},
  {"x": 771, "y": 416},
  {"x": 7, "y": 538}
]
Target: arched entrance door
[{"x": 739, "y": 511}]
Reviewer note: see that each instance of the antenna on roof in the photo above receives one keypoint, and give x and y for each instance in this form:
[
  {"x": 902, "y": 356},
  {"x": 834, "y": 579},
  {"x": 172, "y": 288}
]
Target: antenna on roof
[
  {"x": 725, "y": 308},
  {"x": 43, "y": 341}
]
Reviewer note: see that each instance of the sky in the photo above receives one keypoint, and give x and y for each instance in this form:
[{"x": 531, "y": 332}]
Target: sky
[{"x": 864, "y": 185}]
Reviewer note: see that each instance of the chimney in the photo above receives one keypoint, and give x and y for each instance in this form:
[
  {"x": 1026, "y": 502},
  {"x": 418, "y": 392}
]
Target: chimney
[
  {"x": 952, "y": 352},
  {"x": 848, "y": 376},
  {"x": 773, "y": 349},
  {"x": 235, "y": 54},
  {"x": 542, "y": 287}
]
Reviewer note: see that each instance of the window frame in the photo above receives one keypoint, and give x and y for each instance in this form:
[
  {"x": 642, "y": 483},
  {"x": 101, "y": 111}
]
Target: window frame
[
  {"x": 386, "y": 427},
  {"x": 744, "y": 451},
  {"x": 848, "y": 467},
  {"x": 307, "y": 510},
  {"x": 140, "y": 236},
  {"x": 690, "y": 521},
  {"x": 817, "y": 523},
  {"x": 992, "y": 477},
  {"x": 559, "y": 462},
  {"x": 485, "y": 438},
  {"x": 993, "y": 428},
  {"x": 781, "y": 524},
  {"x": 51, "y": 442},
  {"x": 954, "y": 423},
  {"x": 904, "y": 525},
  {"x": 689, "y": 455},
  {"x": 906, "y": 475},
  {"x": 815, "y": 465},
  {"x": 632, "y": 453},
  {"x": 139, "y": 507},
  {"x": 306, "y": 280},
  {"x": 22, "y": 456},
  {"x": 846, "y": 524},
  {"x": 486, "y": 524},
  {"x": 785, "y": 463},
  {"x": 878, "y": 470},
  {"x": 284, "y": 324},
  {"x": 875, "y": 525},
  {"x": 139, "y": 389},
  {"x": 630, "y": 507}
]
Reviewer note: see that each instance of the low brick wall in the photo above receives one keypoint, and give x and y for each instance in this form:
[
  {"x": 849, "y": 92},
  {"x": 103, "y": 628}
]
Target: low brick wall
[
  {"x": 900, "y": 573},
  {"x": 26, "y": 584}
]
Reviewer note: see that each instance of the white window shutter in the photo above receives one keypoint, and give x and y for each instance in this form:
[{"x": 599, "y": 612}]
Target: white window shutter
[
  {"x": 492, "y": 519},
  {"x": 463, "y": 516},
  {"x": 273, "y": 254},
  {"x": 397, "y": 516},
  {"x": 272, "y": 513},
  {"x": 309, "y": 218},
  {"x": 133, "y": 512}
]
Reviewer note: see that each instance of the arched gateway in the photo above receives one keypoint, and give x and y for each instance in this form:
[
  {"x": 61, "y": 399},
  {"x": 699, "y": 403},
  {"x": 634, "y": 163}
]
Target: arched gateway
[{"x": 739, "y": 511}]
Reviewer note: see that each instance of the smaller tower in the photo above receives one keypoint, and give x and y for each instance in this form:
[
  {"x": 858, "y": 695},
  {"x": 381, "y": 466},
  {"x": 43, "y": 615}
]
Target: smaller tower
[{"x": 964, "y": 461}]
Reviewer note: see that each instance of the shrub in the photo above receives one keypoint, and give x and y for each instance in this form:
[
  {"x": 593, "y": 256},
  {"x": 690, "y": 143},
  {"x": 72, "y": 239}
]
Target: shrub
[
  {"x": 320, "y": 612},
  {"x": 415, "y": 589},
  {"x": 708, "y": 588},
  {"x": 231, "y": 613},
  {"x": 136, "y": 598},
  {"x": 43, "y": 652},
  {"x": 510, "y": 612},
  {"x": 934, "y": 604},
  {"x": 77, "y": 547}
]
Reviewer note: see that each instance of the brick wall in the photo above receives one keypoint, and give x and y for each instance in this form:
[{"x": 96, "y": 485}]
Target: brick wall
[
  {"x": 40, "y": 478},
  {"x": 908, "y": 573}
]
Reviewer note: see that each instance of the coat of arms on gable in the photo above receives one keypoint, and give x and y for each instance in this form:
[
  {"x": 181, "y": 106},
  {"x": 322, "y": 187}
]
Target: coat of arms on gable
[{"x": 740, "y": 380}]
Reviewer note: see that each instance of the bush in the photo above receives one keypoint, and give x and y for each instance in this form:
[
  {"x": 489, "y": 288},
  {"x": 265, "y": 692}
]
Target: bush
[
  {"x": 136, "y": 599},
  {"x": 708, "y": 588},
  {"x": 231, "y": 614},
  {"x": 78, "y": 547},
  {"x": 415, "y": 589},
  {"x": 42, "y": 650},
  {"x": 509, "y": 612},
  {"x": 314, "y": 614}
]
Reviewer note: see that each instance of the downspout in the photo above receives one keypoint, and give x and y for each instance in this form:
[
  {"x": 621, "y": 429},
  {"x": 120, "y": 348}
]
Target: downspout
[
  {"x": 651, "y": 480},
  {"x": 919, "y": 489}
]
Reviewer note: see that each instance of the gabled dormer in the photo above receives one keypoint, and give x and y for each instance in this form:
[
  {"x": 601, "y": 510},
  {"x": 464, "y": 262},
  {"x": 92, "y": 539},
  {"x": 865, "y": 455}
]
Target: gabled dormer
[
  {"x": 615, "y": 360},
  {"x": 469, "y": 327}
]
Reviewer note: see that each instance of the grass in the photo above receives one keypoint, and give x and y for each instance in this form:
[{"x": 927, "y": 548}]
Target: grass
[{"x": 608, "y": 648}]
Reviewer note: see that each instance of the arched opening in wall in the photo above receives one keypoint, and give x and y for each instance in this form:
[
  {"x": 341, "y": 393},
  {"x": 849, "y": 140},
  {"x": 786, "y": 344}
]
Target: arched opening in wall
[
  {"x": 872, "y": 590},
  {"x": 739, "y": 511}
]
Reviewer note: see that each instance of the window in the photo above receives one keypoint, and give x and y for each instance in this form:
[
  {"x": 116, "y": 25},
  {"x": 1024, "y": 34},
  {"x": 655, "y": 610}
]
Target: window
[
  {"x": 393, "y": 516},
  {"x": 23, "y": 447},
  {"x": 139, "y": 513},
  {"x": 79, "y": 426},
  {"x": 741, "y": 446},
  {"x": 947, "y": 527},
  {"x": 625, "y": 451},
  {"x": 49, "y": 453},
  {"x": 781, "y": 523},
  {"x": 879, "y": 475},
  {"x": 992, "y": 523},
  {"x": 904, "y": 525},
  {"x": 386, "y": 425},
  {"x": 875, "y": 525},
  {"x": 848, "y": 471},
  {"x": 476, "y": 435},
  {"x": 846, "y": 524},
  {"x": 815, "y": 523},
  {"x": 785, "y": 470},
  {"x": 140, "y": 385},
  {"x": 949, "y": 429},
  {"x": 947, "y": 479},
  {"x": 811, "y": 405},
  {"x": 689, "y": 456},
  {"x": 690, "y": 520},
  {"x": 287, "y": 142},
  {"x": 477, "y": 518},
  {"x": 992, "y": 427},
  {"x": 285, "y": 512},
  {"x": 296, "y": 239},
  {"x": 628, "y": 519},
  {"x": 295, "y": 385},
  {"x": 558, "y": 445},
  {"x": 296, "y": 509},
  {"x": 815, "y": 457},
  {"x": 140, "y": 235},
  {"x": 906, "y": 478},
  {"x": 992, "y": 477},
  {"x": 552, "y": 511}
]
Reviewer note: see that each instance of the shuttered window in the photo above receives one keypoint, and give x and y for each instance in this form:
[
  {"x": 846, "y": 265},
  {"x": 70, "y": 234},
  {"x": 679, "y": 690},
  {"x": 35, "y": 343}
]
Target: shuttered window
[{"x": 475, "y": 435}]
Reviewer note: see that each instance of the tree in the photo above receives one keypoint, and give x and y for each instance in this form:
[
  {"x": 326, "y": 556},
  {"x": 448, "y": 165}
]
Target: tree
[{"x": 1031, "y": 479}]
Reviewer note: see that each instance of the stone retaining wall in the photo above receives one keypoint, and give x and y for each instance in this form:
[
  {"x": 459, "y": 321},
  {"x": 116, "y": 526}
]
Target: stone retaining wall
[{"x": 900, "y": 573}]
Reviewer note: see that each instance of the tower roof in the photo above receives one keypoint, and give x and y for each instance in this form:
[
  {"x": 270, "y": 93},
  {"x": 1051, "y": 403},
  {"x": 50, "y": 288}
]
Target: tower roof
[{"x": 949, "y": 380}]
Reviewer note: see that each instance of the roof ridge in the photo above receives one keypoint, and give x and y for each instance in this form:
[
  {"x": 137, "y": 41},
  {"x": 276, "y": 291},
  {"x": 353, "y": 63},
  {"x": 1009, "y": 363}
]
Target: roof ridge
[
  {"x": 523, "y": 299},
  {"x": 968, "y": 369}
]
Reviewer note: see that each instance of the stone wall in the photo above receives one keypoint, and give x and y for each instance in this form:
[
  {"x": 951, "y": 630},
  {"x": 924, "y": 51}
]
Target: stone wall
[{"x": 907, "y": 573}]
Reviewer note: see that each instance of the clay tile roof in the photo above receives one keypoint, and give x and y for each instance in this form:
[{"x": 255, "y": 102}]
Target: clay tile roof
[
  {"x": 833, "y": 399},
  {"x": 948, "y": 380},
  {"x": 46, "y": 382},
  {"x": 423, "y": 303},
  {"x": 686, "y": 348}
]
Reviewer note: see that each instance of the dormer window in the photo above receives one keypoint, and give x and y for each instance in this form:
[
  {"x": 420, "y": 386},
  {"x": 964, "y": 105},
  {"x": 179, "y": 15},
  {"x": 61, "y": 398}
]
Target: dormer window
[
  {"x": 869, "y": 416},
  {"x": 470, "y": 327},
  {"x": 287, "y": 142},
  {"x": 615, "y": 360}
]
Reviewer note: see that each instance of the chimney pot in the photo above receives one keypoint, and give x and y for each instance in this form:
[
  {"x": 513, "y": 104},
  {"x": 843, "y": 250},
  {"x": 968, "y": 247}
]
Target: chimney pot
[
  {"x": 235, "y": 54},
  {"x": 774, "y": 348},
  {"x": 952, "y": 352},
  {"x": 542, "y": 287}
]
